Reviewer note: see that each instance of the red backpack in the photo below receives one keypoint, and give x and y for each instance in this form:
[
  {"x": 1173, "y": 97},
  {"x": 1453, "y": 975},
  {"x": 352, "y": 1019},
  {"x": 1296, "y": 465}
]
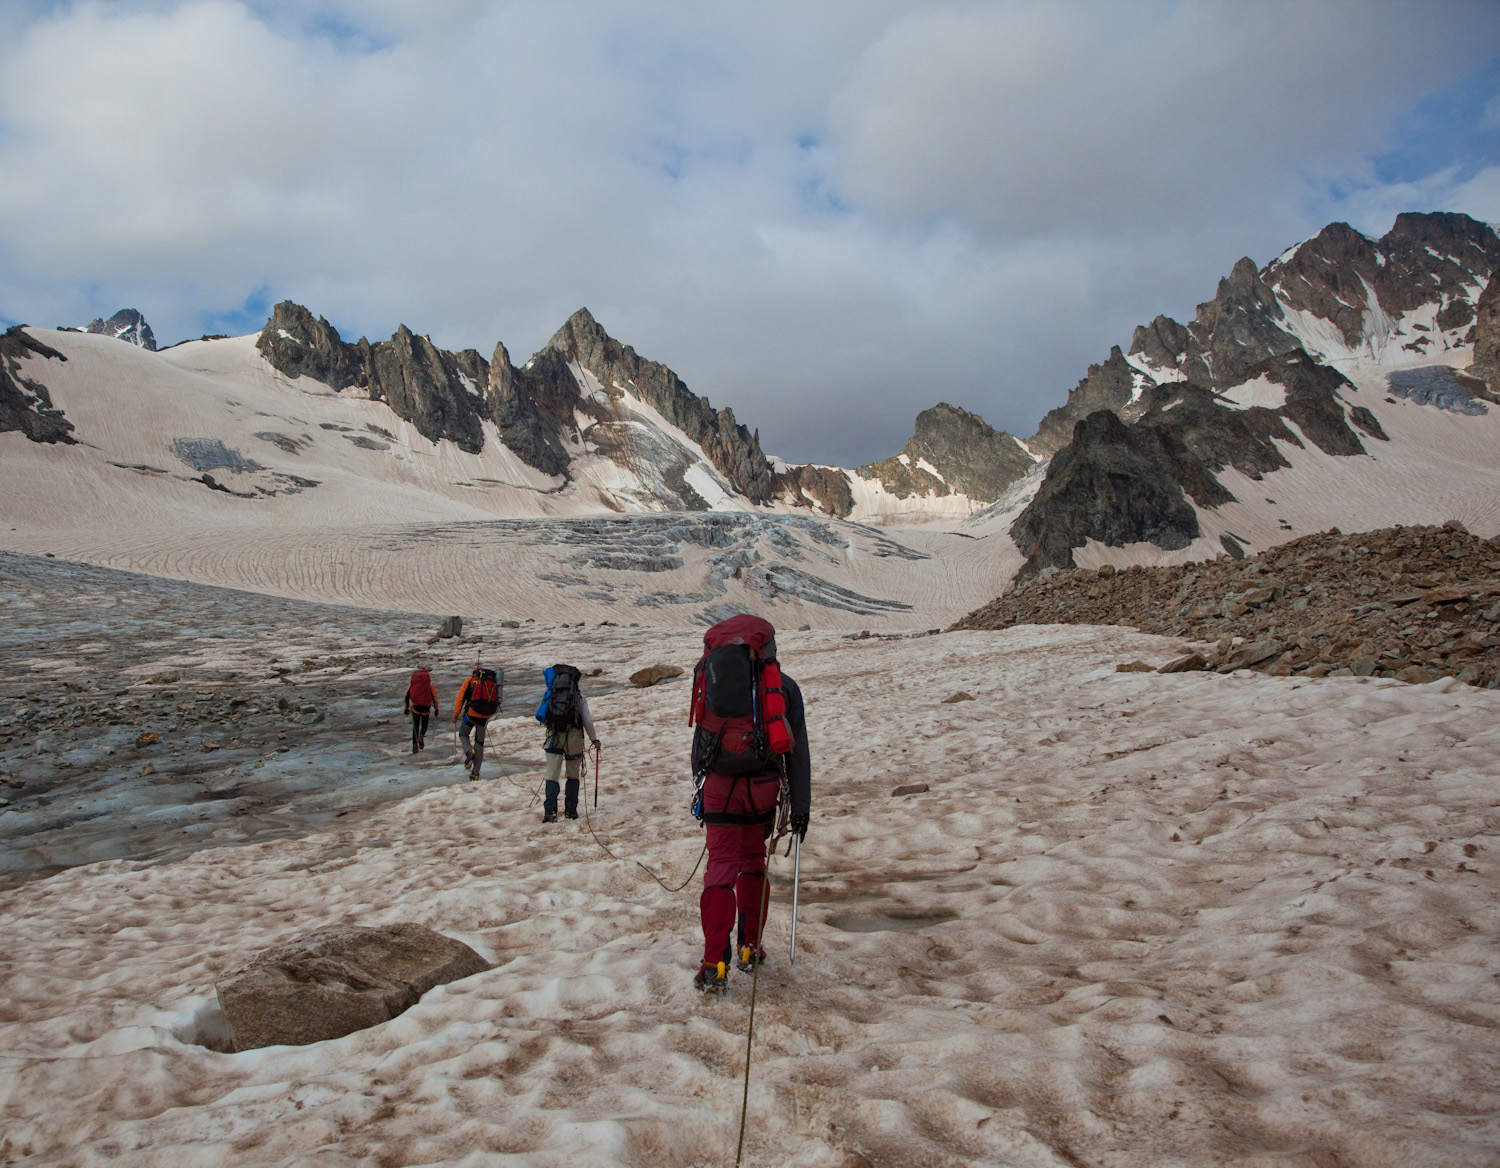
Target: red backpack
[
  {"x": 738, "y": 705},
  {"x": 484, "y": 694},
  {"x": 420, "y": 690}
]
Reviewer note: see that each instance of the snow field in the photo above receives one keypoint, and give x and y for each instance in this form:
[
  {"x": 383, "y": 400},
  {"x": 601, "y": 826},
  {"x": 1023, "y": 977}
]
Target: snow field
[{"x": 1136, "y": 920}]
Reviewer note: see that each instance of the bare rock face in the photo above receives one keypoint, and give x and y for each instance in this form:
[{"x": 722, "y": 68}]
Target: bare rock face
[
  {"x": 964, "y": 453},
  {"x": 1114, "y": 483},
  {"x": 732, "y": 448},
  {"x": 825, "y": 486},
  {"x": 126, "y": 325},
  {"x": 439, "y": 392},
  {"x": 1486, "y": 338},
  {"x": 302, "y": 345},
  {"x": 25, "y": 404},
  {"x": 1112, "y": 386},
  {"x": 338, "y": 980},
  {"x": 524, "y": 426}
]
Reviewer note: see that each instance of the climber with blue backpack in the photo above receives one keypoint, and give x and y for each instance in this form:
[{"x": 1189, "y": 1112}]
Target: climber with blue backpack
[
  {"x": 565, "y": 714},
  {"x": 751, "y": 768}
]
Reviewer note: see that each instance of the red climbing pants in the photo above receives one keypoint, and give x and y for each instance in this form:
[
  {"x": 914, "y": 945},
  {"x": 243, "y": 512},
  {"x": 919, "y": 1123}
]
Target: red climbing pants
[{"x": 734, "y": 883}]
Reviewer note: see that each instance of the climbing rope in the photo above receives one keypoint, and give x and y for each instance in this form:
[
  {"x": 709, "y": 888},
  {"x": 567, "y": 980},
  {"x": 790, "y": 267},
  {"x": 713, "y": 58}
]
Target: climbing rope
[
  {"x": 589, "y": 823},
  {"x": 765, "y": 907}
]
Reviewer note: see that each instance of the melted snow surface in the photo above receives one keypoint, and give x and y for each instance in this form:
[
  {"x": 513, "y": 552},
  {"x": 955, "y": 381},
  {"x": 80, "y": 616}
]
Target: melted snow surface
[{"x": 1136, "y": 920}]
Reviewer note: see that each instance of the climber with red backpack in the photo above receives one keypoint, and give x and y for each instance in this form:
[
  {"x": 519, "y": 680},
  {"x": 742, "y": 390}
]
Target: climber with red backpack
[
  {"x": 565, "y": 713},
  {"x": 478, "y": 701},
  {"x": 750, "y": 761},
  {"x": 420, "y": 702}
]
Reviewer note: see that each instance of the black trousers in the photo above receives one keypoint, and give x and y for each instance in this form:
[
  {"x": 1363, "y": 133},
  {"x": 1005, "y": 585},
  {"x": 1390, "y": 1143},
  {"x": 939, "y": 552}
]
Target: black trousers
[{"x": 418, "y": 726}]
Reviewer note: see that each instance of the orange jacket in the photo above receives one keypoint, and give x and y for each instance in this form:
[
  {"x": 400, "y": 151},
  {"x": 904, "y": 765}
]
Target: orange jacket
[{"x": 463, "y": 696}]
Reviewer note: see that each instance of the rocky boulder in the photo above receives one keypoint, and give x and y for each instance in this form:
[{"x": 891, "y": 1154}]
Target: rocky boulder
[
  {"x": 652, "y": 674},
  {"x": 336, "y": 981}
]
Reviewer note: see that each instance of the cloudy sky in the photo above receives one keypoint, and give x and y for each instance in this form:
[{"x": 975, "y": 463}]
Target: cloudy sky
[{"x": 829, "y": 214}]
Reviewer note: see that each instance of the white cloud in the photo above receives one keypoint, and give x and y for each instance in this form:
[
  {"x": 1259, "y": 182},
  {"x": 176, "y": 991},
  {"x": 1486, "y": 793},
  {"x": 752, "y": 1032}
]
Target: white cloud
[
  {"x": 1032, "y": 117},
  {"x": 829, "y": 216}
]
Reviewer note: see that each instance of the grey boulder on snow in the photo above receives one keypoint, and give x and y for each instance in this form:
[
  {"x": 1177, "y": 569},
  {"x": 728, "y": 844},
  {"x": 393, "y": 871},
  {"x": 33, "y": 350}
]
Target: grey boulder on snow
[{"x": 338, "y": 980}]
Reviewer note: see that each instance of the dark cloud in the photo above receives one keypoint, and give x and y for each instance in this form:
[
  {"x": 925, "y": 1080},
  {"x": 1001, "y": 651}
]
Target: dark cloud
[{"x": 829, "y": 216}]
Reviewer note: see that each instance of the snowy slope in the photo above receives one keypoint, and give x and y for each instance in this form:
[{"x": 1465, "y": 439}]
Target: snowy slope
[{"x": 1136, "y": 920}]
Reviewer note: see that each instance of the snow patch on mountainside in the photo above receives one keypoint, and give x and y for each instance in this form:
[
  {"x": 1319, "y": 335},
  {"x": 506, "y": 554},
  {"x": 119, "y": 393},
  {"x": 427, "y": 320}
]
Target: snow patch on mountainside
[{"x": 1261, "y": 391}]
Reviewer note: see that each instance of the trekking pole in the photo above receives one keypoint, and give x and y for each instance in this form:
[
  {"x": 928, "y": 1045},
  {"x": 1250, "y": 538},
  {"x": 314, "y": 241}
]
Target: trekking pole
[
  {"x": 596, "y": 776},
  {"x": 796, "y": 877}
]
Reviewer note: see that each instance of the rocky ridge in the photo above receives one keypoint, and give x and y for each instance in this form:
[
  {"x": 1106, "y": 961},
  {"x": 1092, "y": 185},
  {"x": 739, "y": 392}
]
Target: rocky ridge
[
  {"x": 535, "y": 407},
  {"x": 1428, "y": 264},
  {"x": 549, "y": 381},
  {"x": 1414, "y": 603},
  {"x": 952, "y": 451},
  {"x": 1338, "y": 296},
  {"x": 1122, "y": 483}
]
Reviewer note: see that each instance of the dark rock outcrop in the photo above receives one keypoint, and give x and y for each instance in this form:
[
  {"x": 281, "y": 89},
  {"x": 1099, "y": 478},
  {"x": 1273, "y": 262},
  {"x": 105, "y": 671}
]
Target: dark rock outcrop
[
  {"x": 825, "y": 486},
  {"x": 1119, "y": 482},
  {"x": 441, "y": 393},
  {"x": 969, "y": 456},
  {"x": 1339, "y": 275},
  {"x": 338, "y": 980},
  {"x": 25, "y": 404},
  {"x": 126, "y": 325},
  {"x": 1485, "y": 335},
  {"x": 1113, "y": 483},
  {"x": 1240, "y": 327},
  {"x": 535, "y": 407},
  {"x": 1116, "y": 385},
  {"x": 1423, "y": 259},
  {"x": 524, "y": 427},
  {"x": 429, "y": 387},
  {"x": 301, "y": 345}
]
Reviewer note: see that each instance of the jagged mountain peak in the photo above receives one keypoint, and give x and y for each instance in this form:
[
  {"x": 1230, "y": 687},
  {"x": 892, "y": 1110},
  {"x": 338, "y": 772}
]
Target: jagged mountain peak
[{"x": 126, "y": 325}]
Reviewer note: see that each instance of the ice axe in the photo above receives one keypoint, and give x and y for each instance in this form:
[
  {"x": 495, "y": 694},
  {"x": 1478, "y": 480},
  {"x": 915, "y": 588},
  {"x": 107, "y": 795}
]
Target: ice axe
[{"x": 596, "y": 775}]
